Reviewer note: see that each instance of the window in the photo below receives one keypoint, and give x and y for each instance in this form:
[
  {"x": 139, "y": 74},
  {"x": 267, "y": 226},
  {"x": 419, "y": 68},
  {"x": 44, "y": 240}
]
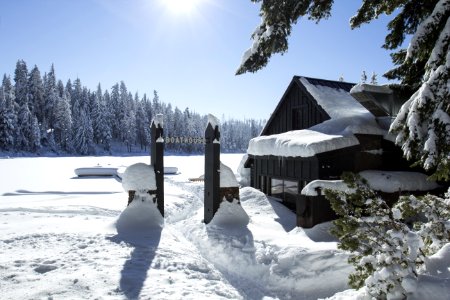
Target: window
[{"x": 284, "y": 189}]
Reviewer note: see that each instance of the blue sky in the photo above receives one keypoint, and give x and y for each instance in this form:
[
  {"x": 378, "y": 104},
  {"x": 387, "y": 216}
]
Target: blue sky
[{"x": 189, "y": 58}]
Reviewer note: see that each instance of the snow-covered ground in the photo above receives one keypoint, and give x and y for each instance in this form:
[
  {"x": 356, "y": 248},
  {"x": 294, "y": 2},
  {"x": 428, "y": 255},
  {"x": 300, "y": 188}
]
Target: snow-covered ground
[{"x": 59, "y": 239}]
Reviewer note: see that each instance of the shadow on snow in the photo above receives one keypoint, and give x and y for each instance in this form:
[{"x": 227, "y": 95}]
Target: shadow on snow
[{"x": 134, "y": 270}]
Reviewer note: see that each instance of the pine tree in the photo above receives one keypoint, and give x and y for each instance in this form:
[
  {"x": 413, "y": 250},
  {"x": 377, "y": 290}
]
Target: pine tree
[
  {"x": 63, "y": 120},
  {"x": 363, "y": 77},
  {"x": 142, "y": 126},
  {"x": 83, "y": 136},
  {"x": 36, "y": 93},
  {"x": 114, "y": 109},
  {"x": 51, "y": 98},
  {"x": 373, "y": 79},
  {"x": 423, "y": 125},
  {"x": 8, "y": 118},
  {"x": 21, "y": 83}
]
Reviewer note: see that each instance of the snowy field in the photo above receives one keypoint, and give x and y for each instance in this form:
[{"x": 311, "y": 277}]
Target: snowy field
[{"x": 58, "y": 240}]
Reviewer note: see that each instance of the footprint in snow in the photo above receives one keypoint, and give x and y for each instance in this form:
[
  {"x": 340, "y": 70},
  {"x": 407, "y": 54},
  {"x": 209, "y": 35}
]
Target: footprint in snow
[{"x": 41, "y": 269}]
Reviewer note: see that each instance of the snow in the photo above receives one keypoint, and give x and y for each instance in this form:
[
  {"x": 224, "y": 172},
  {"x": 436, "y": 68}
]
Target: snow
[
  {"x": 348, "y": 117},
  {"x": 243, "y": 173},
  {"x": 396, "y": 181},
  {"x": 373, "y": 88},
  {"x": 440, "y": 11},
  {"x": 227, "y": 177},
  {"x": 140, "y": 217},
  {"x": 65, "y": 237},
  {"x": 337, "y": 103},
  {"x": 303, "y": 143},
  {"x": 214, "y": 121},
  {"x": 139, "y": 177},
  {"x": 311, "y": 188},
  {"x": 158, "y": 120},
  {"x": 230, "y": 214},
  {"x": 384, "y": 181}
]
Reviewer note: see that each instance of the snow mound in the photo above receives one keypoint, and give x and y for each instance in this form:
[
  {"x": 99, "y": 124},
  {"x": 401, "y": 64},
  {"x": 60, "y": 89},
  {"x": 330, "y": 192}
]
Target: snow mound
[
  {"x": 336, "y": 185},
  {"x": 230, "y": 214},
  {"x": 139, "y": 177},
  {"x": 227, "y": 177},
  {"x": 140, "y": 216},
  {"x": 243, "y": 172},
  {"x": 390, "y": 182}
]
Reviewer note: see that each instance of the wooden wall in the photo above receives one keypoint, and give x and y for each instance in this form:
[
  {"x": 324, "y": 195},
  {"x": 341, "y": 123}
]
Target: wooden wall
[{"x": 296, "y": 110}]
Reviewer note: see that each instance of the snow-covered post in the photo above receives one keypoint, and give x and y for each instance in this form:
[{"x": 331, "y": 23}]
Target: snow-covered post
[
  {"x": 157, "y": 159},
  {"x": 212, "y": 168}
]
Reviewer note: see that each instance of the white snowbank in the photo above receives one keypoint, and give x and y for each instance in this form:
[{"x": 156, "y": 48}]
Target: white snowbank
[
  {"x": 337, "y": 185},
  {"x": 227, "y": 177},
  {"x": 384, "y": 181},
  {"x": 139, "y": 177},
  {"x": 230, "y": 214},
  {"x": 390, "y": 181},
  {"x": 243, "y": 173},
  {"x": 140, "y": 216}
]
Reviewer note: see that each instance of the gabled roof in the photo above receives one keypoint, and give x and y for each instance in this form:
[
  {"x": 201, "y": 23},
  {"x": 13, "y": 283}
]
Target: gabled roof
[
  {"x": 347, "y": 118},
  {"x": 297, "y": 80}
]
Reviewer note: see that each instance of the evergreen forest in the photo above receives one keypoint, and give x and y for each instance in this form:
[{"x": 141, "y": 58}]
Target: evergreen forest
[{"x": 41, "y": 115}]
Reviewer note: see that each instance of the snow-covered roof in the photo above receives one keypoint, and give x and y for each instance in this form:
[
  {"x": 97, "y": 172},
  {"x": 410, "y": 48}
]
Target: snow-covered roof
[
  {"x": 383, "y": 181},
  {"x": 373, "y": 88},
  {"x": 348, "y": 117}
]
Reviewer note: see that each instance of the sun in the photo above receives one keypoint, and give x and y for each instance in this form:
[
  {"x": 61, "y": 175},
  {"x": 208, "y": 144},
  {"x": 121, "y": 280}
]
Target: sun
[{"x": 182, "y": 6}]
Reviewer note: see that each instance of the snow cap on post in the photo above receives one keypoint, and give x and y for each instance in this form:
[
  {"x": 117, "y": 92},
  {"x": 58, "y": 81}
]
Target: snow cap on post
[
  {"x": 158, "y": 120},
  {"x": 139, "y": 177},
  {"x": 213, "y": 121}
]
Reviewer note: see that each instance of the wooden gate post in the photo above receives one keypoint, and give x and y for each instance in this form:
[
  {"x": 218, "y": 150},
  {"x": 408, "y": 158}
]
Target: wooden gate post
[
  {"x": 212, "y": 169},
  {"x": 157, "y": 159}
]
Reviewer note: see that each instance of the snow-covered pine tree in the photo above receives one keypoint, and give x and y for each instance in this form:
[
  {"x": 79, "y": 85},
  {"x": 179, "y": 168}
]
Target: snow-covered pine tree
[
  {"x": 8, "y": 117},
  {"x": 113, "y": 108},
  {"x": 129, "y": 123},
  {"x": 156, "y": 104},
  {"x": 21, "y": 83},
  {"x": 363, "y": 77},
  {"x": 83, "y": 133},
  {"x": 107, "y": 115},
  {"x": 373, "y": 78},
  {"x": 121, "y": 110},
  {"x": 51, "y": 98},
  {"x": 63, "y": 120},
  {"x": 423, "y": 125},
  {"x": 36, "y": 93},
  {"x": 142, "y": 126},
  {"x": 388, "y": 255},
  {"x": 94, "y": 108},
  {"x": 35, "y": 135},
  {"x": 28, "y": 133}
]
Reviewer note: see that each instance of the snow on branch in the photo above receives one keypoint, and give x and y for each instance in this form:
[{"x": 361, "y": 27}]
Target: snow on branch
[{"x": 440, "y": 11}]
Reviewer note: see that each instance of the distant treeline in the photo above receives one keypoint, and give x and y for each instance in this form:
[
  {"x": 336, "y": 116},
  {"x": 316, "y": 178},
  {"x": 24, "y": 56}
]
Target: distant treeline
[{"x": 40, "y": 114}]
